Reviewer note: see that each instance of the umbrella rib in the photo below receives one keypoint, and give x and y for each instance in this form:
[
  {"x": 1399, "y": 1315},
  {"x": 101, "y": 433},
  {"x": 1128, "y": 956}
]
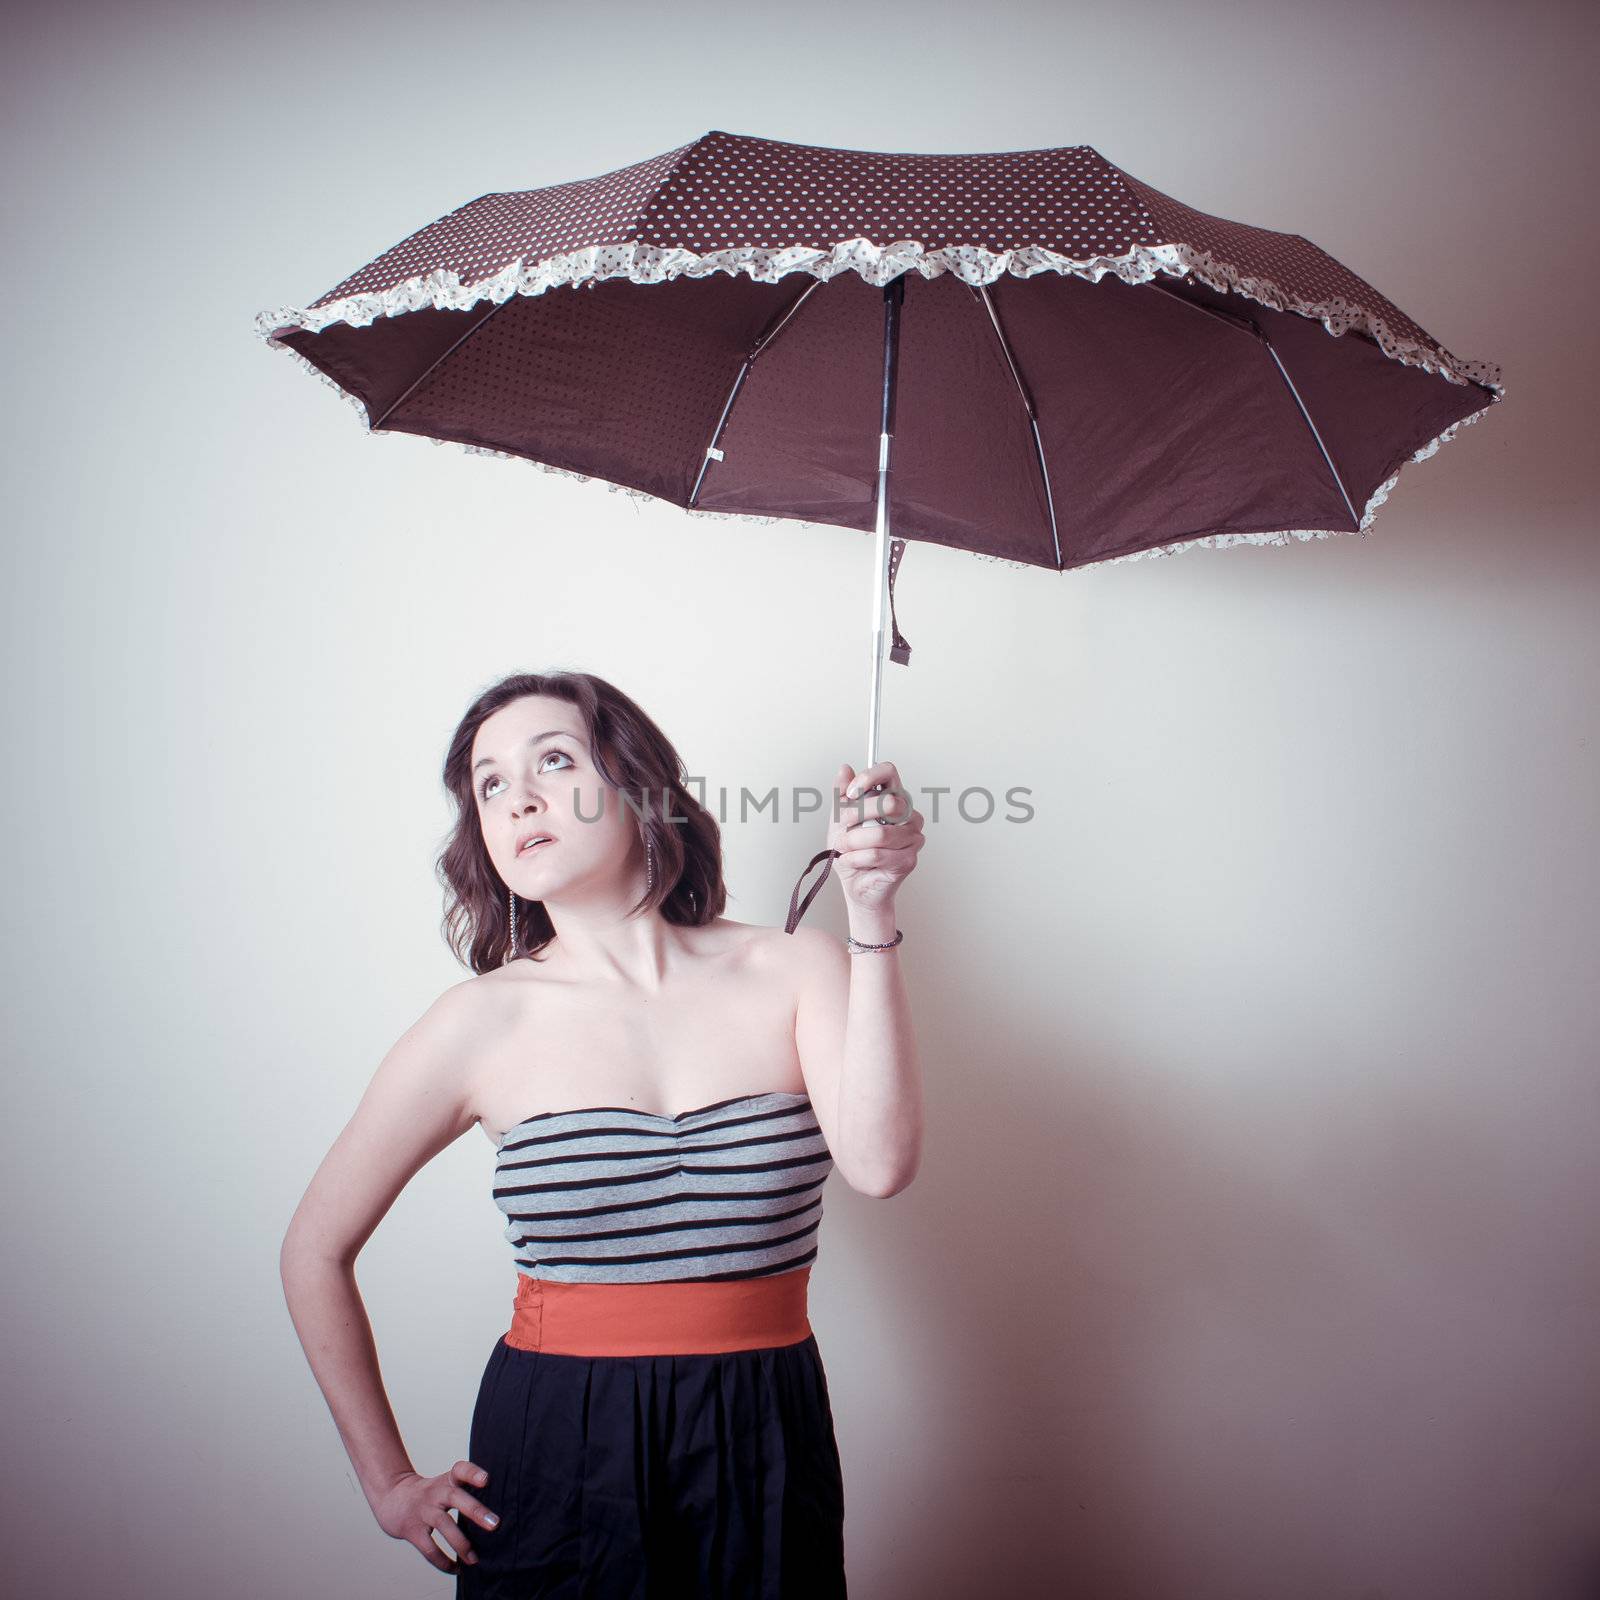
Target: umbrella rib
[
  {"x": 428, "y": 371},
  {"x": 712, "y": 453},
  {"x": 982, "y": 292},
  {"x": 1256, "y": 331},
  {"x": 1314, "y": 433}
]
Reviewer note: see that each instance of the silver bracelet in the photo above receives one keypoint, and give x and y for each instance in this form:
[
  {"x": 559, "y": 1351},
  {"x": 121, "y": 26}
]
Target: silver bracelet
[{"x": 856, "y": 947}]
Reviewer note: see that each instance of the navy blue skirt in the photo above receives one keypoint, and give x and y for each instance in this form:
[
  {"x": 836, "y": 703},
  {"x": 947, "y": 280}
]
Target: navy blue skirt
[{"x": 715, "y": 1477}]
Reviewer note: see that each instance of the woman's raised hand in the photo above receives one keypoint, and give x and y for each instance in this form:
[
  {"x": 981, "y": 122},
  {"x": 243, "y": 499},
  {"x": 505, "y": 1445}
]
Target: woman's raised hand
[
  {"x": 873, "y": 858},
  {"x": 412, "y": 1506}
]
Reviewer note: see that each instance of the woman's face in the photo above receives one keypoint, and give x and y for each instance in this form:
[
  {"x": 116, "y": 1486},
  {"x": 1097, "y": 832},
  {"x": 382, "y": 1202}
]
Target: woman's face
[{"x": 533, "y": 773}]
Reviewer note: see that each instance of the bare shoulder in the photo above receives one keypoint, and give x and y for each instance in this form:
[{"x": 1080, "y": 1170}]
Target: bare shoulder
[
  {"x": 435, "y": 1050},
  {"x": 809, "y": 960},
  {"x": 755, "y": 953},
  {"x": 430, "y": 1076},
  {"x": 486, "y": 997},
  {"x": 482, "y": 1009},
  {"x": 816, "y": 950},
  {"x": 418, "y": 1101},
  {"x": 728, "y": 939}
]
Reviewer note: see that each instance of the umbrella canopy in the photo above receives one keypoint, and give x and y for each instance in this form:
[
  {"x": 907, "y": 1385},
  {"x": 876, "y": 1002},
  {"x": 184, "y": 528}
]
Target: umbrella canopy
[
  {"x": 1088, "y": 369},
  {"x": 1071, "y": 366}
]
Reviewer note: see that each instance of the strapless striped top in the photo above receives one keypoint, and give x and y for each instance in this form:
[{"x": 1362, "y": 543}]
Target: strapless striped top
[{"x": 608, "y": 1194}]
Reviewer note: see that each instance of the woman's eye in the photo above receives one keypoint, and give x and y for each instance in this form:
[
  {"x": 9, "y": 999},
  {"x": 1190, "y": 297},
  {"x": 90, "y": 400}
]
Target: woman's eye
[{"x": 483, "y": 790}]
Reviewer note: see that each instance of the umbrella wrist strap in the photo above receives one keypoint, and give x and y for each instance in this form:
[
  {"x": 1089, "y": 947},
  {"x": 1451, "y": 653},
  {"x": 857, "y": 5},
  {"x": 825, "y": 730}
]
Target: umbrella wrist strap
[{"x": 797, "y": 906}]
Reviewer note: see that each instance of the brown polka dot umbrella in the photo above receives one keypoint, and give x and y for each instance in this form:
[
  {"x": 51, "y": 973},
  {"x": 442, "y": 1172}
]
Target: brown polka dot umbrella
[{"x": 1030, "y": 355}]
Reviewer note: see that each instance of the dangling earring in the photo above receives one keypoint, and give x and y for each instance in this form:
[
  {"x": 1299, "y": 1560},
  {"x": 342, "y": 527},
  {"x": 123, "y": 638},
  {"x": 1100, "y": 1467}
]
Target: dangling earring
[
  {"x": 649, "y": 866},
  {"x": 511, "y": 937}
]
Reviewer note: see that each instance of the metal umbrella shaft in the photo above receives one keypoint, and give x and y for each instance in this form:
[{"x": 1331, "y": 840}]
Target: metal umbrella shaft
[
  {"x": 893, "y": 297},
  {"x": 883, "y": 563}
]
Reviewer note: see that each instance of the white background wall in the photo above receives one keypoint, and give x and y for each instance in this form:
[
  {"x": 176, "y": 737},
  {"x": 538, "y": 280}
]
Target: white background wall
[{"x": 1254, "y": 1250}]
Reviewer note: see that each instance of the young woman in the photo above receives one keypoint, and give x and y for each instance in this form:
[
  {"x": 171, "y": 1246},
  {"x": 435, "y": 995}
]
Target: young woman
[{"x": 667, "y": 1091}]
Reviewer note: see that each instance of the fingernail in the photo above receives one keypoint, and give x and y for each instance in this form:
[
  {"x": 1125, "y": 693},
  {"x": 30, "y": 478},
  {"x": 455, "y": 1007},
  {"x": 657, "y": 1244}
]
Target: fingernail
[{"x": 491, "y": 1519}]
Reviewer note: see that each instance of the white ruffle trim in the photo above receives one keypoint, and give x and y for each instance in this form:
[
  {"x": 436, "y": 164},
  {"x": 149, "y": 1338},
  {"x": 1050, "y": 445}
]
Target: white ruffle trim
[
  {"x": 644, "y": 263},
  {"x": 1215, "y": 541}
]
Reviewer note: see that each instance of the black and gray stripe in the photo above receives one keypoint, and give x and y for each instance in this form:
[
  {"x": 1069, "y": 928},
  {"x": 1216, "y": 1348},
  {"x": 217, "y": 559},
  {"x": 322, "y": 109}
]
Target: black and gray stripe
[{"x": 608, "y": 1194}]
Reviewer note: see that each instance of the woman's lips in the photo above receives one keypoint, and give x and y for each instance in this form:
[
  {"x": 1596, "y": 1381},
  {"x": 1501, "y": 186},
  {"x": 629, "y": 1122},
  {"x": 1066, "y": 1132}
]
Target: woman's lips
[{"x": 528, "y": 850}]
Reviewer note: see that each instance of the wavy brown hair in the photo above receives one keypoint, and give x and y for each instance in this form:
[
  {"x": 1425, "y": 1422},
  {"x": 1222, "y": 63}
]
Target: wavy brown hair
[{"x": 633, "y": 756}]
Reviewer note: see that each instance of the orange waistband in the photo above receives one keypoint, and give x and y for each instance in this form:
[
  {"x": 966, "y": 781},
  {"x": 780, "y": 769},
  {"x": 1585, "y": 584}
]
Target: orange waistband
[{"x": 665, "y": 1319}]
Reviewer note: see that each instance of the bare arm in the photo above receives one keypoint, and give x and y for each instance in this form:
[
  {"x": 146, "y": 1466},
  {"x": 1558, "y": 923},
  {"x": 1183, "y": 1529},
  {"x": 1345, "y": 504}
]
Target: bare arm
[
  {"x": 853, "y": 1029},
  {"x": 418, "y": 1102},
  {"x": 858, "y": 1052}
]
